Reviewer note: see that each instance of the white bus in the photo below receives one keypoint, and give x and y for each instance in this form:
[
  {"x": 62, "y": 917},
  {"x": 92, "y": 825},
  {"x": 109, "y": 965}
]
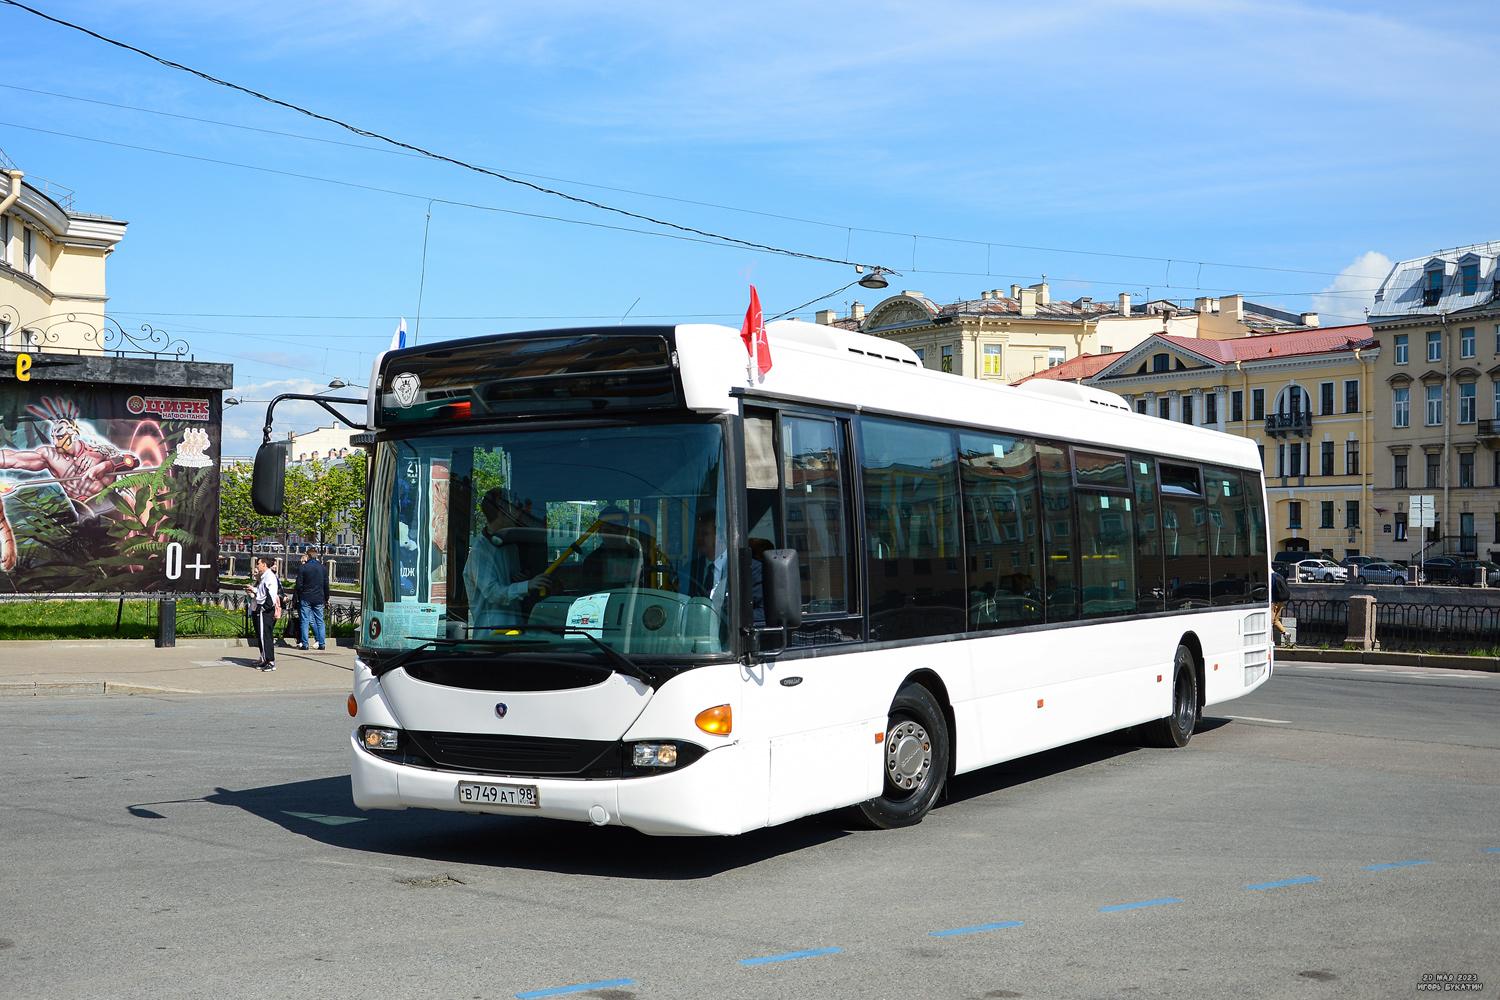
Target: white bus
[{"x": 611, "y": 578}]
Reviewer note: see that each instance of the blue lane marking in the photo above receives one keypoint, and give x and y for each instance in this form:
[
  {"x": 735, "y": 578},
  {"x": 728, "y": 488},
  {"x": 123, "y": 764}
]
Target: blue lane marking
[
  {"x": 1395, "y": 864},
  {"x": 1492, "y": 850},
  {"x": 791, "y": 955},
  {"x": 68, "y": 718},
  {"x": 1137, "y": 906},
  {"x": 150, "y": 715},
  {"x": 558, "y": 991},
  {"x": 1285, "y": 881},
  {"x": 976, "y": 928},
  {"x": 256, "y": 711}
]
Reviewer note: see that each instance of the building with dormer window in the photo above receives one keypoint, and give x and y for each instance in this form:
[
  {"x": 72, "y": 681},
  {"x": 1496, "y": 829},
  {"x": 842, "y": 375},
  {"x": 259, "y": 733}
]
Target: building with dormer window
[{"x": 1437, "y": 412}]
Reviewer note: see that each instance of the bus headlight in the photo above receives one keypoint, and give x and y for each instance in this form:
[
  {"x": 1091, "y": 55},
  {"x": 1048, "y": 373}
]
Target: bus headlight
[
  {"x": 653, "y": 755},
  {"x": 375, "y": 738}
]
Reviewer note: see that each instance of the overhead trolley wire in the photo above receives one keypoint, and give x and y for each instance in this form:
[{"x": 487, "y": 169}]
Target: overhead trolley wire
[{"x": 368, "y": 134}]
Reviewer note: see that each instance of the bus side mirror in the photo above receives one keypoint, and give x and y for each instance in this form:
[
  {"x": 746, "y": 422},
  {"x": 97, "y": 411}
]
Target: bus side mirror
[
  {"x": 781, "y": 588},
  {"x": 268, "y": 483}
]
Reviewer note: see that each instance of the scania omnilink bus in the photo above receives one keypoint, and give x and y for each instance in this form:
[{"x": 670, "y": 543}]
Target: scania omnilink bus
[{"x": 611, "y": 578}]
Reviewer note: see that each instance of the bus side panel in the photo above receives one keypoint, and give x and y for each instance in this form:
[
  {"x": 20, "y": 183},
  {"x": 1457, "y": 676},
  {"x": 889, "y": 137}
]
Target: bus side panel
[{"x": 811, "y": 772}]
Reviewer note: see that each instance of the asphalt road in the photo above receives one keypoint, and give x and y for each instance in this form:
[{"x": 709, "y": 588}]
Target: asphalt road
[{"x": 1339, "y": 839}]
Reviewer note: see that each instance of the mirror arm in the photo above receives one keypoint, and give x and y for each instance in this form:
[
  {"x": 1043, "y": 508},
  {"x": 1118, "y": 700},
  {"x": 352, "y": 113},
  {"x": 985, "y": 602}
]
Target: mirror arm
[{"x": 322, "y": 401}]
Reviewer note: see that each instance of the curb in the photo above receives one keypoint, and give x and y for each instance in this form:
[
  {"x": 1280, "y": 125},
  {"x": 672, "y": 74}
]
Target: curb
[
  {"x": 40, "y": 689},
  {"x": 1486, "y": 664},
  {"x": 188, "y": 643}
]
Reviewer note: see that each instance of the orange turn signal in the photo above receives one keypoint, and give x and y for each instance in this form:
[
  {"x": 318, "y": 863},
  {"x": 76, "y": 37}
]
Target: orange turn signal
[
  {"x": 353, "y": 707},
  {"x": 717, "y": 720}
]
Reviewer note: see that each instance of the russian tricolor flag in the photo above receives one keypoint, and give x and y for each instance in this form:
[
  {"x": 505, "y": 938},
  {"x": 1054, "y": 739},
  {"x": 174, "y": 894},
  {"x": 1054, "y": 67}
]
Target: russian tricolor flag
[{"x": 398, "y": 339}]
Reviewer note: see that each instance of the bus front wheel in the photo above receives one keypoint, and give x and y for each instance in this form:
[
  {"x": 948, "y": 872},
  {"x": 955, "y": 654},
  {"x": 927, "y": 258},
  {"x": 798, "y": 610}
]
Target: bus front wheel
[
  {"x": 1176, "y": 729},
  {"x": 915, "y": 756}
]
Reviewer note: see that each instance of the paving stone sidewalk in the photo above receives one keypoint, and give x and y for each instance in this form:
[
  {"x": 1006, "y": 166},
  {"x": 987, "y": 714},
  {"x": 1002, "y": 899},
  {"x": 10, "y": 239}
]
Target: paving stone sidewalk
[{"x": 28, "y": 669}]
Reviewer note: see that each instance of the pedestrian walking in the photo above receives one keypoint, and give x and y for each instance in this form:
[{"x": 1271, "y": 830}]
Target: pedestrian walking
[
  {"x": 312, "y": 594},
  {"x": 1280, "y": 594},
  {"x": 266, "y": 610}
]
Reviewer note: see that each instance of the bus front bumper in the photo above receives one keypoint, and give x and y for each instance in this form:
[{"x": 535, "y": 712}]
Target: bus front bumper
[{"x": 712, "y": 796}]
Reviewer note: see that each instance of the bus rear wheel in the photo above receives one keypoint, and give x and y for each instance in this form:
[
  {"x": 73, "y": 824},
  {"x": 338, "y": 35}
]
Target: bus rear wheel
[
  {"x": 916, "y": 755},
  {"x": 1176, "y": 729}
]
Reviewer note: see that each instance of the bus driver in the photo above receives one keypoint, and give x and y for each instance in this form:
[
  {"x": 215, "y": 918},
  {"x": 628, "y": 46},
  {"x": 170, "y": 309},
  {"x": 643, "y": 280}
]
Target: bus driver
[{"x": 493, "y": 577}]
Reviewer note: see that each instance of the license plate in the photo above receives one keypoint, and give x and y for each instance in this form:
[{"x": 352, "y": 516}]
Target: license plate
[{"x": 498, "y": 795}]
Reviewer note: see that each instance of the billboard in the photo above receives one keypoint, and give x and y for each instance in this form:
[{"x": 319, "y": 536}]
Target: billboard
[{"x": 108, "y": 488}]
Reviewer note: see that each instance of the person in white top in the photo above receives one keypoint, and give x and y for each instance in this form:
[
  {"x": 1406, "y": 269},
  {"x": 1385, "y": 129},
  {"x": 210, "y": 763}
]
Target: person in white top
[
  {"x": 493, "y": 577},
  {"x": 266, "y": 610}
]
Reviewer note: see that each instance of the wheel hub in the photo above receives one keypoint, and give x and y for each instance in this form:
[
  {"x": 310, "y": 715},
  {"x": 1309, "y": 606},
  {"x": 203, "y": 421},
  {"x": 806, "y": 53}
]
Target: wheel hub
[{"x": 908, "y": 755}]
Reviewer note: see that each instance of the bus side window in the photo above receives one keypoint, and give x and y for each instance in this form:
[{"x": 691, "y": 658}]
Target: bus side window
[
  {"x": 1255, "y": 518},
  {"x": 1185, "y": 537},
  {"x": 813, "y": 486},
  {"x": 1150, "y": 584},
  {"x": 911, "y": 530},
  {"x": 1002, "y": 505},
  {"x": 1059, "y": 543},
  {"x": 1106, "y": 534},
  {"x": 1227, "y": 536}
]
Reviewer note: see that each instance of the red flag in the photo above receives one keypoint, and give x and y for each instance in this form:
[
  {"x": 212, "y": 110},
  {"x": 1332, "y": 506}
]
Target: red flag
[{"x": 753, "y": 333}]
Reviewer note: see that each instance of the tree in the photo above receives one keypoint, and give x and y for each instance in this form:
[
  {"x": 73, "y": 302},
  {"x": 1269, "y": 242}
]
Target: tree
[{"x": 237, "y": 515}]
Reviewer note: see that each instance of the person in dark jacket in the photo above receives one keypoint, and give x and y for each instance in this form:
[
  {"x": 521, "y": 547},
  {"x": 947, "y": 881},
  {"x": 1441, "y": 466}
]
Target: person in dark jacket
[
  {"x": 312, "y": 594},
  {"x": 1280, "y": 594}
]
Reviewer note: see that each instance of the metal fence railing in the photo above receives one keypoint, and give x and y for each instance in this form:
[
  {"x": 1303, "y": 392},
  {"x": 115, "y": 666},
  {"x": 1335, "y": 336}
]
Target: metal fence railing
[{"x": 1415, "y": 627}]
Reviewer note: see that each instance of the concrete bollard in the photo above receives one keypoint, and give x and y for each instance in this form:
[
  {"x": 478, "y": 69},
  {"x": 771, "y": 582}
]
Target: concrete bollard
[{"x": 1362, "y": 622}]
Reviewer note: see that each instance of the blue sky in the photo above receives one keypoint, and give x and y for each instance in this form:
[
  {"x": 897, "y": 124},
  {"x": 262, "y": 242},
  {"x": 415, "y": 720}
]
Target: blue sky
[{"x": 1321, "y": 139}]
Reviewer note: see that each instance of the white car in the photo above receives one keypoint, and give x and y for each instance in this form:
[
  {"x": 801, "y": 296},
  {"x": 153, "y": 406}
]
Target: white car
[{"x": 1321, "y": 570}]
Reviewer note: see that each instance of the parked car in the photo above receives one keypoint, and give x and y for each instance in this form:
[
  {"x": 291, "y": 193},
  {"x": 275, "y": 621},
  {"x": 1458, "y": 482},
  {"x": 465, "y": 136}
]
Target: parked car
[
  {"x": 1360, "y": 561},
  {"x": 1463, "y": 573},
  {"x": 1439, "y": 569},
  {"x": 1379, "y": 572},
  {"x": 1322, "y": 570},
  {"x": 1283, "y": 562}
]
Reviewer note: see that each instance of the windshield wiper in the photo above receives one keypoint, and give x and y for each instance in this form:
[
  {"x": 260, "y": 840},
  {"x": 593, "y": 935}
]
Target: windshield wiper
[
  {"x": 386, "y": 666},
  {"x": 622, "y": 663}
]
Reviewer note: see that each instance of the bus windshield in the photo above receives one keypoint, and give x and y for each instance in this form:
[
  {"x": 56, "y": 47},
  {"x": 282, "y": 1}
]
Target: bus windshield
[{"x": 550, "y": 540}]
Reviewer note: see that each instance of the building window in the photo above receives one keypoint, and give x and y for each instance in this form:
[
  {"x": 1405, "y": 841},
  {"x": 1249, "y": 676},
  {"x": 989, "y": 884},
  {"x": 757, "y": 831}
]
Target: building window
[
  {"x": 921, "y": 353},
  {"x": 948, "y": 358},
  {"x": 1187, "y": 409},
  {"x": 1327, "y": 521},
  {"x": 1468, "y": 542},
  {"x": 1466, "y": 342},
  {"x": 1161, "y": 363},
  {"x": 1466, "y": 469},
  {"x": 1497, "y": 478},
  {"x": 1262, "y": 449},
  {"x": 1402, "y": 347},
  {"x": 1327, "y": 467},
  {"x": 1056, "y": 356},
  {"x": 1471, "y": 278},
  {"x": 1294, "y": 459},
  {"x": 992, "y": 360},
  {"x": 1434, "y": 406},
  {"x": 1434, "y": 346},
  {"x": 1211, "y": 409},
  {"x": 1401, "y": 406},
  {"x": 1294, "y": 514},
  {"x": 29, "y": 250},
  {"x": 1325, "y": 398},
  {"x": 1293, "y": 400},
  {"x": 1434, "y": 289},
  {"x": 1140, "y": 406},
  {"x": 1434, "y": 470},
  {"x": 1351, "y": 395},
  {"x": 1257, "y": 404},
  {"x": 5, "y": 253},
  {"x": 1398, "y": 478},
  {"x": 1237, "y": 404},
  {"x": 1400, "y": 527},
  {"x": 1164, "y": 407},
  {"x": 1106, "y": 349},
  {"x": 1351, "y": 513},
  {"x": 1466, "y": 403},
  {"x": 1351, "y": 458},
  {"x": 1281, "y": 461}
]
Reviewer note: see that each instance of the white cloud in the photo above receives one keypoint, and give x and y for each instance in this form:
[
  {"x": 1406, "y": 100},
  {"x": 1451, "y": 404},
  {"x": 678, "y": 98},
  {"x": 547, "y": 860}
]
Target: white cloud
[{"x": 1353, "y": 291}]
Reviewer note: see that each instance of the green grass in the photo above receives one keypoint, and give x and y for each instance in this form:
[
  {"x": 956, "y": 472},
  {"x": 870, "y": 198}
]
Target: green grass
[{"x": 96, "y": 620}]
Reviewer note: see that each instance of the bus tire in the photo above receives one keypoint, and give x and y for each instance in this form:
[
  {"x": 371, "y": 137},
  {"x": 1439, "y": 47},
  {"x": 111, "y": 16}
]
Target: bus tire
[
  {"x": 915, "y": 754},
  {"x": 1176, "y": 729}
]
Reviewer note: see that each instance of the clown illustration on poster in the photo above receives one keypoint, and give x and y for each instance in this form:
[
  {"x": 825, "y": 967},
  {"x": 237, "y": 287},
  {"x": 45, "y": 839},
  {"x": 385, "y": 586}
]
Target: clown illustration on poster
[{"x": 107, "y": 488}]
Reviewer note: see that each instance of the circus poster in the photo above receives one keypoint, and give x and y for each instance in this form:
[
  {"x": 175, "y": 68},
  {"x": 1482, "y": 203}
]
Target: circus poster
[{"x": 108, "y": 488}]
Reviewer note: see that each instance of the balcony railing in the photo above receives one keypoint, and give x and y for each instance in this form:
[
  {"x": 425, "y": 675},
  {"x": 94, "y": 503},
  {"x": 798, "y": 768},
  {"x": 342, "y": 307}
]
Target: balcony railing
[
  {"x": 1430, "y": 296},
  {"x": 1281, "y": 423}
]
